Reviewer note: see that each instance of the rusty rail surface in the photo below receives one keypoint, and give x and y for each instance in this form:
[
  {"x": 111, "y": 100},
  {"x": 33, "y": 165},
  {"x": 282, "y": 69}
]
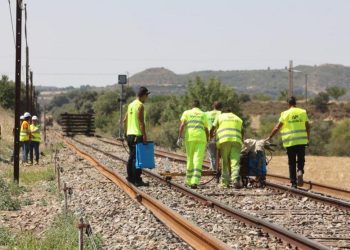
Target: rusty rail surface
[
  {"x": 287, "y": 236},
  {"x": 328, "y": 190},
  {"x": 186, "y": 230}
]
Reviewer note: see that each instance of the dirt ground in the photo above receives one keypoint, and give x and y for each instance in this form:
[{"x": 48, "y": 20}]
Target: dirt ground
[{"x": 331, "y": 171}]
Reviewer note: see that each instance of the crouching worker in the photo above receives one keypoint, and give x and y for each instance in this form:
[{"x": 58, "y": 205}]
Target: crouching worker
[
  {"x": 229, "y": 134},
  {"x": 196, "y": 137}
]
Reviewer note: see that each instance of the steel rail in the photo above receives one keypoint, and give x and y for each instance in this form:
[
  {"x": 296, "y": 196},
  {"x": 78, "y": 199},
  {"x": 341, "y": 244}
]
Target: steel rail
[
  {"x": 186, "y": 230},
  {"x": 299, "y": 191},
  {"x": 285, "y": 235}
]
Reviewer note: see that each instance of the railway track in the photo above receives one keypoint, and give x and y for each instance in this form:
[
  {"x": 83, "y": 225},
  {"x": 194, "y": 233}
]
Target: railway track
[
  {"x": 331, "y": 241},
  {"x": 314, "y": 187},
  {"x": 190, "y": 233}
]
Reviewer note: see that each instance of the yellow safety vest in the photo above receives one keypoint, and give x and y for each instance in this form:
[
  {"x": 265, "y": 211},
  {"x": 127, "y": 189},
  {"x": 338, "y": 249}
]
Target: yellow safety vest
[
  {"x": 229, "y": 128},
  {"x": 293, "y": 131},
  {"x": 24, "y": 132},
  {"x": 133, "y": 120},
  {"x": 211, "y": 115},
  {"x": 35, "y": 135},
  {"x": 196, "y": 122}
]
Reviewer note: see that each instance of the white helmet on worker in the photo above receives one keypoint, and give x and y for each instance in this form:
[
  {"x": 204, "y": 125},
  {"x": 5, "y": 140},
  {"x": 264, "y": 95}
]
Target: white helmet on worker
[
  {"x": 35, "y": 118},
  {"x": 26, "y": 115}
]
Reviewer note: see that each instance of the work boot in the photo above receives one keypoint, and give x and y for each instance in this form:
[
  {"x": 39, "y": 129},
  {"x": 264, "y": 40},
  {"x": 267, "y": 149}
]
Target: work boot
[
  {"x": 300, "y": 178},
  {"x": 237, "y": 184},
  {"x": 294, "y": 185},
  {"x": 194, "y": 186},
  {"x": 141, "y": 184}
]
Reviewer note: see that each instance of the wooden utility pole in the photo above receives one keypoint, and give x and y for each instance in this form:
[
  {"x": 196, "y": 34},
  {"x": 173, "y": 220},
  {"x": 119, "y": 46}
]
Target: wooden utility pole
[
  {"x": 31, "y": 93},
  {"x": 18, "y": 89},
  {"x": 27, "y": 60},
  {"x": 290, "y": 78},
  {"x": 306, "y": 88}
]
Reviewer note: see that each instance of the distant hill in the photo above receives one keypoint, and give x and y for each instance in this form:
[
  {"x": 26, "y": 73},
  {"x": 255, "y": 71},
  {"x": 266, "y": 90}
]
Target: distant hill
[{"x": 268, "y": 81}]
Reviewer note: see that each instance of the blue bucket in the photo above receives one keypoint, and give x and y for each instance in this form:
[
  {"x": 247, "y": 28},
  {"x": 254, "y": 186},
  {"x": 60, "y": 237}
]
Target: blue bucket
[{"x": 145, "y": 155}]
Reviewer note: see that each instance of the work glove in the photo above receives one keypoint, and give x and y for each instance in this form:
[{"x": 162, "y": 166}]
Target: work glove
[{"x": 179, "y": 142}]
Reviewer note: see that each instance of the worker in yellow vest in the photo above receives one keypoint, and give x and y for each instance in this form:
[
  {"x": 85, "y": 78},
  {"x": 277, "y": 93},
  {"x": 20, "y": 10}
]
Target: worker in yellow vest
[
  {"x": 135, "y": 132},
  {"x": 35, "y": 139},
  {"x": 229, "y": 136},
  {"x": 24, "y": 137},
  {"x": 196, "y": 137},
  {"x": 211, "y": 115},
  {"x": 295, "y": 132}
]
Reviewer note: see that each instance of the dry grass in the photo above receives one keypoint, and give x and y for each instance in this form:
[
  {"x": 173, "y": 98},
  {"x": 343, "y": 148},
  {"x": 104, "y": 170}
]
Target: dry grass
[
  {"x": 331, "y": 171},
  {"x": 7, "y": 124}
]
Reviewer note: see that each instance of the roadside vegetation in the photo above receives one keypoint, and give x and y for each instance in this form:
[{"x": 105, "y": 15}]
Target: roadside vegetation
[
  {"x": 62, "y": 234},
  {"x": 163, "y": 112}
]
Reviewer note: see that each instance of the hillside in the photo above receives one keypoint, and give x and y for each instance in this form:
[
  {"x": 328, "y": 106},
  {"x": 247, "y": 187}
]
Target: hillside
[{"x": 269, "y": 81}]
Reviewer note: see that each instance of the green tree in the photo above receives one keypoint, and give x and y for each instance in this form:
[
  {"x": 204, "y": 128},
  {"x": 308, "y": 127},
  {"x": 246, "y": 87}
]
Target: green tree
[
  {"x": 7, "y": 93},
  {"x": 321, "y": 101},
  {"x": 335, "y": 92},
  {"x": 283, "y": 95},
  {"x": 58, "y": 101},
  {"x": 320, "y": 137},
  {"x": 106, "y": 103},
  {"x": 340, "y": 139},
  {"x": 208, "y": 93}
]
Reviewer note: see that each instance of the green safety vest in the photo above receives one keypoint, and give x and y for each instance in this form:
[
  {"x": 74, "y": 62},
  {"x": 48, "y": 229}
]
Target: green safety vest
[
  {"x": 229, "y": 128},
  {"x": 196, "y": 122},
  {"x": 35, "y": 135},
  {"x": 133, "y": 120},
  {"x": 293, "y": 131},
  {"x": 24, "y": 132},
  {"x": 211, "y": 115}
]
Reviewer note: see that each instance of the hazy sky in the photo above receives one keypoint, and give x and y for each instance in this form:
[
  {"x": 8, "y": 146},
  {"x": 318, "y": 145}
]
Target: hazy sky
[{"x": 92, "y": 41}]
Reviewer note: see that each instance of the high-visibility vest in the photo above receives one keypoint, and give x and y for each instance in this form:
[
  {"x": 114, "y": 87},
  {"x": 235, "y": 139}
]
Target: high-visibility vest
[
  {"x": 133, "y": 120},
  {"x": 196, "y": 122},
  {"x": 35, "y": 135},
  {"x": 211, "y": 115},
  {"x": 229, "y": 128},
  {"x": 24, "y": 132},
  {"x": 293, "y": 131}
]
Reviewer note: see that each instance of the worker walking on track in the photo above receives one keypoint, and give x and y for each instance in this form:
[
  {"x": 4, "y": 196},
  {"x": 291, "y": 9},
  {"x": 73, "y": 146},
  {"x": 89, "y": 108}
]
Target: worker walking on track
[
  {"x": 295, "y": 132},
  {"x": 211, "y": 115},
  {"x": 135, "y": 128},
  {"x": 24, "y": 137},
  {"x": 35, "y": 139},
  {"x": 229, "y": 137},
  {"x": 196, "y": 137}
]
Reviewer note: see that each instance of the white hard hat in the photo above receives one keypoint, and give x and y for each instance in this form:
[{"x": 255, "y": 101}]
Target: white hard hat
[
  {"x": 34, "y": 117},
  {"x": 26, "y": 115},
  {"x": 21, "y": 117}
]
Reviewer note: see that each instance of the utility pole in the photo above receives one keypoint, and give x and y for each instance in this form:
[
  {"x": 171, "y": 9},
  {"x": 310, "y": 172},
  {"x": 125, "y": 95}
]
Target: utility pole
[
  {"x": 122, "y": 80},
  {"x": 31, "y": 93},
  {"x": 306, "y": 88},
  {"x": 18, "y": 89},
  {"x": 27, "y": 59},
  {"x": 290, "y": 78}
]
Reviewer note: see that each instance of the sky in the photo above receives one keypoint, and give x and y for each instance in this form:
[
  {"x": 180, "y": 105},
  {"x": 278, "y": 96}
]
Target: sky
[{"x": 78, "y": 42}]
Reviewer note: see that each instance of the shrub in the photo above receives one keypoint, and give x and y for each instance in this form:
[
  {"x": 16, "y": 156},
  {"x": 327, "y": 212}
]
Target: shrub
[
  {"x": 321, "y": 101},
  {"x": 340, "y": 139}
]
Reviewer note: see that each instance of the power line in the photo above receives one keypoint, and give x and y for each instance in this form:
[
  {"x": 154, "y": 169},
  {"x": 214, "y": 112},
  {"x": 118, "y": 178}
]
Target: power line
[{"x": 13, "y": 30}]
